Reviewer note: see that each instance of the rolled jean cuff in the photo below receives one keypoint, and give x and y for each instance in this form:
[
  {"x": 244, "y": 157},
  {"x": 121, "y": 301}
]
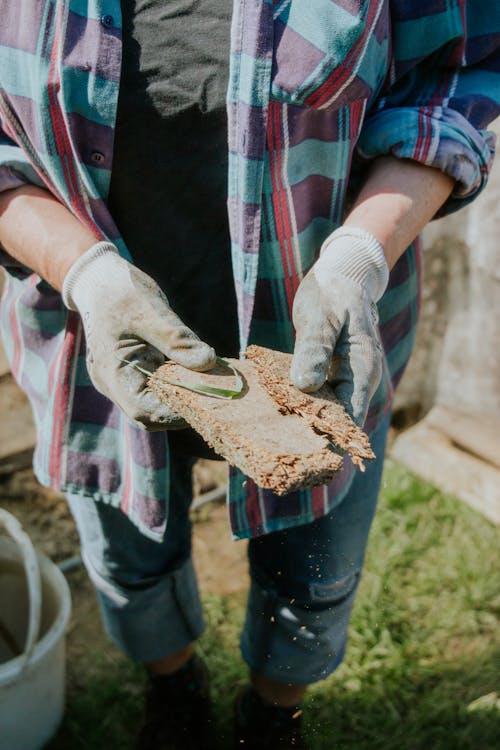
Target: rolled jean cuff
[
  {"x": 298, "y": 643},
  {"x": 152, "y": 622}
]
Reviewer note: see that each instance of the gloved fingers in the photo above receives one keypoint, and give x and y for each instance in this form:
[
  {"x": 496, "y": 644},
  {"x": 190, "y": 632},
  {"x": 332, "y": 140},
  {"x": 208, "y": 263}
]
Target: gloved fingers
[
  {"x": 315, "y": 338},
  {"x": 355, "y": 372},
  {"x": 176, "y": 341},
  {"x": 183, "y": 346},
  {"x": 115, "y": 375},
  {"x": 151, "y": 414},
  {"x": 310, "y": 362},
  {"x": 131, "y": 349},
  {"x": 143, "y": 406},
  {"x": 157, "y": 324}
]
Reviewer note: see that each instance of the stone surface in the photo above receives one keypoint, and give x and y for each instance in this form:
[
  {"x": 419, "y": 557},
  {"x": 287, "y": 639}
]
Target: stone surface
[
  {"x": 445, "y": 284},
  {"x": 475, "y": 433},
  {"x": 456, "y": 360},
  {"x": 434, "y": 456},
  {"x": 455, "y": 369}
]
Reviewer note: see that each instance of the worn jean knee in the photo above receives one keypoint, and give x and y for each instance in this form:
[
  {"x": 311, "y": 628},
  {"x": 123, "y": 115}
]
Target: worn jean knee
[
  {"x": 296, "y": 642},
  {"x": 147, "y": 590},
  {"x": 304, "y": 582},
  {"x": 160, "y": 618}
]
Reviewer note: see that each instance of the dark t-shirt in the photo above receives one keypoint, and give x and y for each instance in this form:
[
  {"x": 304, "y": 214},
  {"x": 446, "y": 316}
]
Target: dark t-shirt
[{"x": 169, "y": 177}]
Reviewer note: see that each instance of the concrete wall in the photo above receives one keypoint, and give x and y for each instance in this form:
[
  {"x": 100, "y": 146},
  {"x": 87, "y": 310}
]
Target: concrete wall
[{"x": 456, "y": 362}]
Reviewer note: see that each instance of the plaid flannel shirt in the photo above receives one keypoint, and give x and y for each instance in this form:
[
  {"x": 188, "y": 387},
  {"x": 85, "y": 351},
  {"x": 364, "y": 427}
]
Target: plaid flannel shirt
[{"x": 317, "y": 89}]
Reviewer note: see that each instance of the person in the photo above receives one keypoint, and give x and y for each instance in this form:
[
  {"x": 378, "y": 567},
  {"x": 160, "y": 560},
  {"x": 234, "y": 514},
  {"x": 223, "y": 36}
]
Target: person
[{"x": 350, "y": 125}]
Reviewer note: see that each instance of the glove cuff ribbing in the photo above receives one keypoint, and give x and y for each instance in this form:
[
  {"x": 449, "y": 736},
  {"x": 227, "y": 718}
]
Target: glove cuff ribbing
[
  {"x": 82, "y": 273},
  {"x": 358, "y": 255}
]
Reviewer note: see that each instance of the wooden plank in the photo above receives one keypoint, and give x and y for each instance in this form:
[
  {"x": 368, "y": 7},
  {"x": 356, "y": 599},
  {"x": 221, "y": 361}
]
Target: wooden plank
[{"x": 282, "y": 438}]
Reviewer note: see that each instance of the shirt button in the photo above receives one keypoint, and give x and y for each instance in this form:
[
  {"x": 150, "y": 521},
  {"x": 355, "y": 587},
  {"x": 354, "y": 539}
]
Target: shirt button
[
  {"x": 107, "y": 21},
  {"x": 97, "y": 157}
]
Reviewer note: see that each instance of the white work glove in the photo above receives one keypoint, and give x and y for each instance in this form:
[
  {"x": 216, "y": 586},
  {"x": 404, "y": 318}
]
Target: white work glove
[
  {"x": 335, "y": 318},
  {"x": 126, "y": 316}
]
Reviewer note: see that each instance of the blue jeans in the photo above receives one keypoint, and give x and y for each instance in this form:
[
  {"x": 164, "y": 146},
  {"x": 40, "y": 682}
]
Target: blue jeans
[{"x": 303, "y": 580}]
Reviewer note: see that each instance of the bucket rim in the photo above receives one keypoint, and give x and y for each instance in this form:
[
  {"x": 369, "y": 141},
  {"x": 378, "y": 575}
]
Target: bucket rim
[{"x": 13, "y": 669}]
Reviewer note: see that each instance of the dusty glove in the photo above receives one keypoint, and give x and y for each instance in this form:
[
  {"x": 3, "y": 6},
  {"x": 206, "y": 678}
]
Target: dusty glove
[
  {"x": 335, "y": 317},
  {"x": 126, "y": 316}
]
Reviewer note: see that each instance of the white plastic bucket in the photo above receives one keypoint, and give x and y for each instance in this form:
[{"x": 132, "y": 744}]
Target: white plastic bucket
[{"x": 35, "y": 605}]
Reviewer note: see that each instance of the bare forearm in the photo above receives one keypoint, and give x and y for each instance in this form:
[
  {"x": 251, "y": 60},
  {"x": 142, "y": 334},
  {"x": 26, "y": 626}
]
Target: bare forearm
[
  {"x": 398, "y": 199},
  {"x": 41, "y": 233}
]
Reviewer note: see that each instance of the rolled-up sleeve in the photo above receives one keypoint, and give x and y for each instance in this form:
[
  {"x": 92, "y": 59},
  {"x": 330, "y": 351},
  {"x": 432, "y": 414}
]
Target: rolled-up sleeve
[{"x": 437, "y": 112}]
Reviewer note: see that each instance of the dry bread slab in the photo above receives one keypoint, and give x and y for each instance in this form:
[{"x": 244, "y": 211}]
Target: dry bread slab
[{"x": 280, "y": 437}]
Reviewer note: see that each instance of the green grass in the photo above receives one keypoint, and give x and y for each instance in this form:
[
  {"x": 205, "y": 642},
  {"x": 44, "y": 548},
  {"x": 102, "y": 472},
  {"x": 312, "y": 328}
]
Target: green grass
[{"x": 423, "y": 661}]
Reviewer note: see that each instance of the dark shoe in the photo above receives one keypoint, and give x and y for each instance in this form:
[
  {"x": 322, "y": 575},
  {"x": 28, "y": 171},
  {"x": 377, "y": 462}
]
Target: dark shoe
[
  {"x": 178, "y": 713},
  {"x": 259, "y": 726}
]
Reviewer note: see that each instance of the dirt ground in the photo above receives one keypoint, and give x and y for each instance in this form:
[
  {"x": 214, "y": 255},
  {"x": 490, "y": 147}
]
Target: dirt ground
[{"x": 45, "y": 517}]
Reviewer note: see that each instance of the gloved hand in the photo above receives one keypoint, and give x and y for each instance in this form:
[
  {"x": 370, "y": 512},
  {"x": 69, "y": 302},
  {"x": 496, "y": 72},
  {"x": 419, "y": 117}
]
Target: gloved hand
[
  {"x": 126, "y": 316},
  {"x": 335, "y": 317}
]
